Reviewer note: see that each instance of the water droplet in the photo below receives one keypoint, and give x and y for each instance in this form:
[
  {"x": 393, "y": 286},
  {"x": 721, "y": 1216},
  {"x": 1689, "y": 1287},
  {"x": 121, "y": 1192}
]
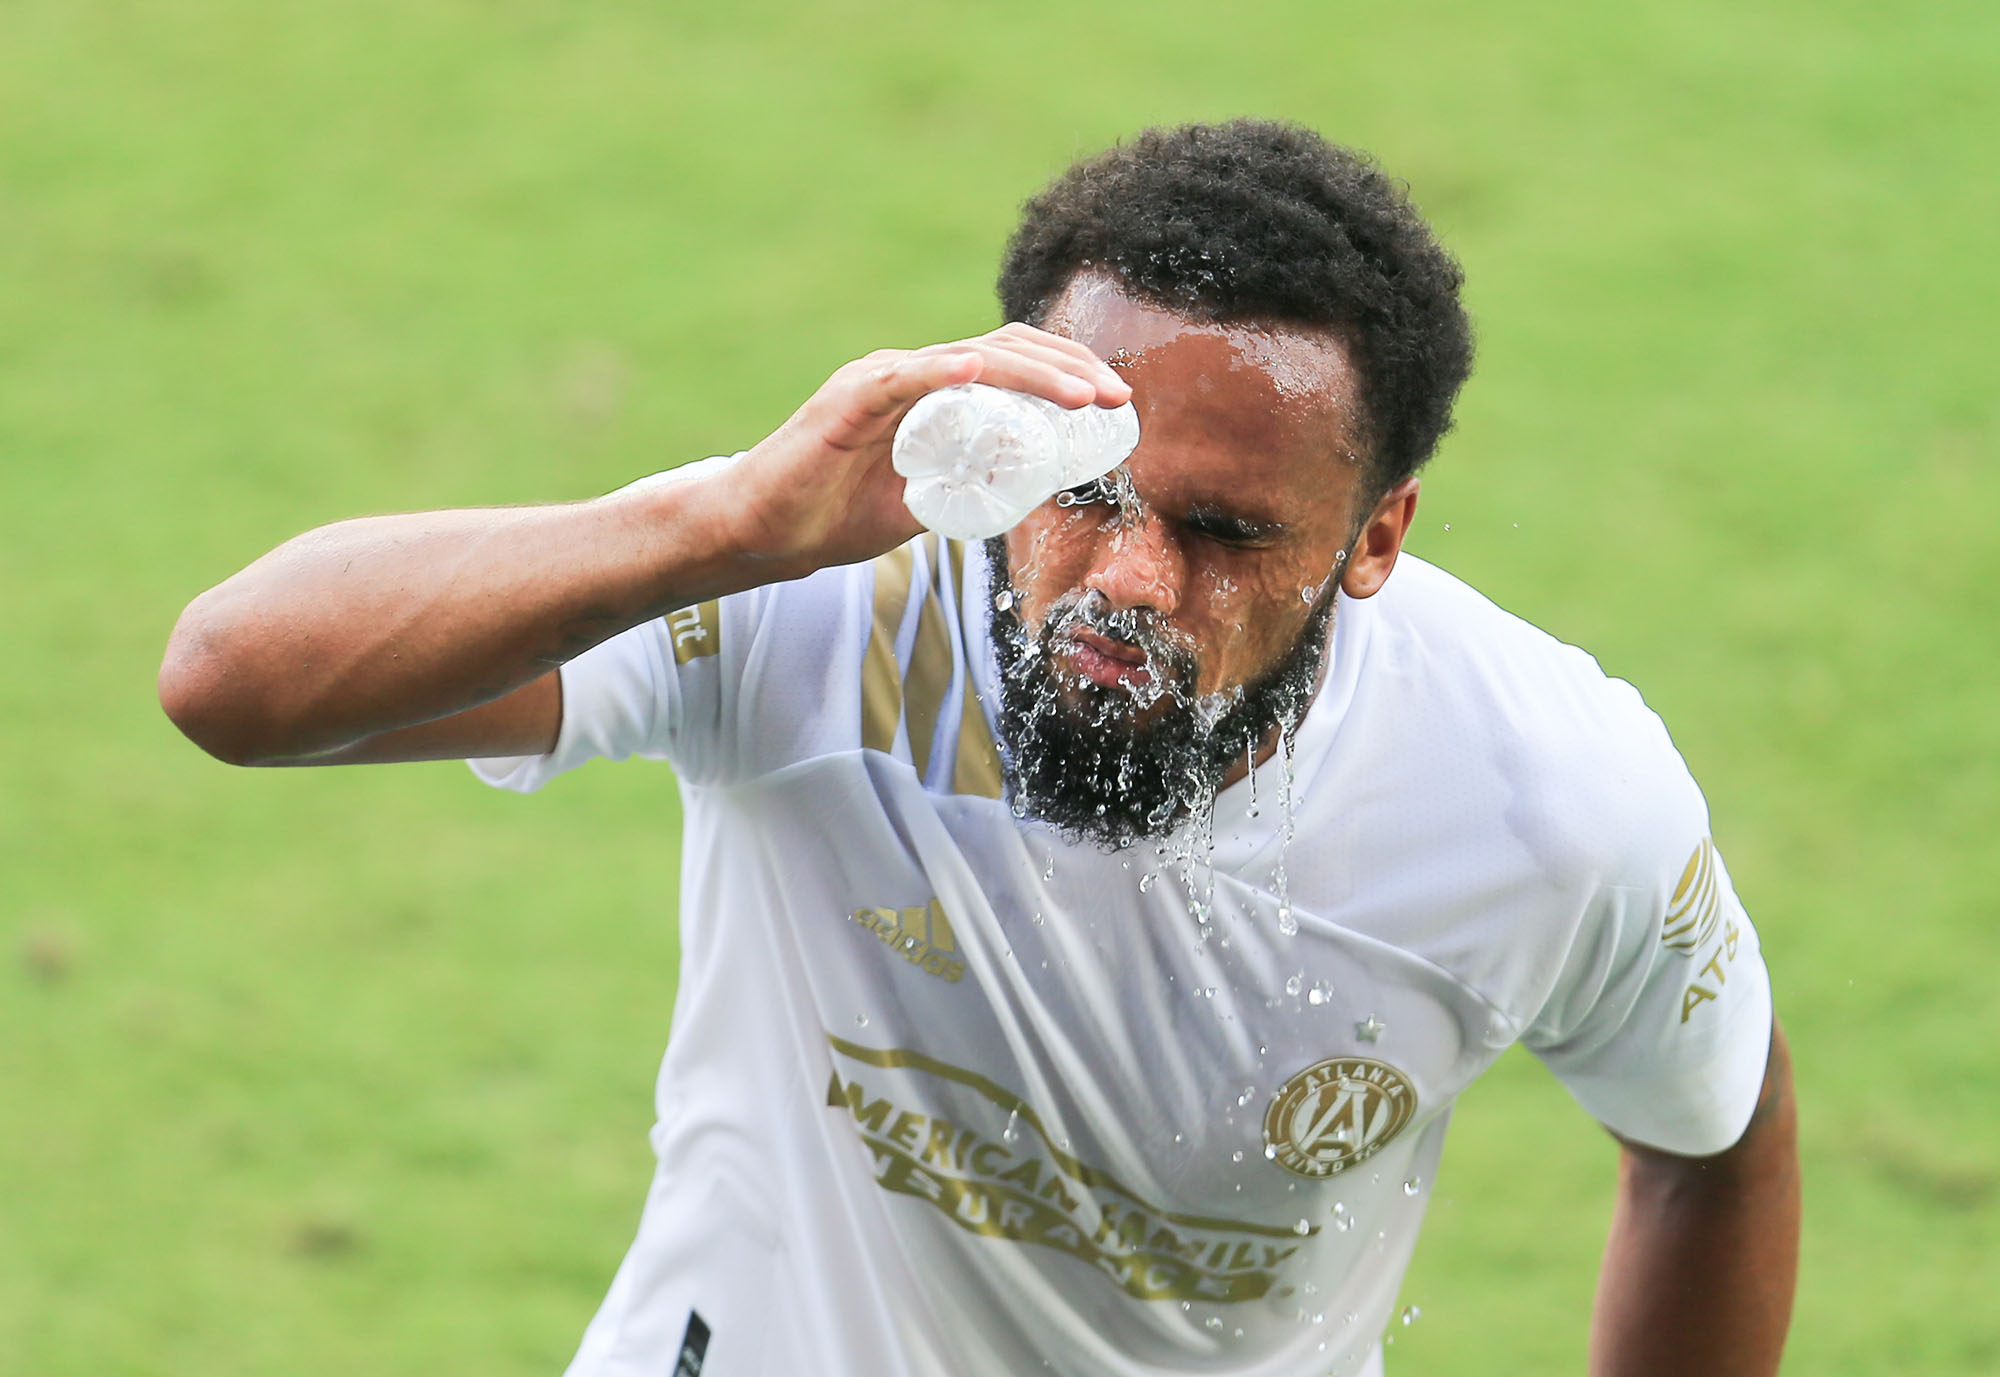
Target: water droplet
[
  {"x": 1413, "y": 1185},
  {"x": 1212, "y": 1322},
  {"x": 861, "y": 1020},
  {"x": 1036, "y": 916},
  {"x": 1236, "y": 1156},
  {"x": 1004, "y": 599},
  {"x": 1270, "y": 1152},
  {"x": 1249, "y": 1094},
  {"x": 1294, "y": 983},
  {"x": 1319, "y": 1317},
  {"x": 1010, "y": 1133},
  {"x": 1146, "y": 880},
  {"x": 1321, "y": 993},
  {"x": 1287, "y": 924},
  {"x": 1410, "y": 1314},
  {"x": 1303, "y": 1227}
]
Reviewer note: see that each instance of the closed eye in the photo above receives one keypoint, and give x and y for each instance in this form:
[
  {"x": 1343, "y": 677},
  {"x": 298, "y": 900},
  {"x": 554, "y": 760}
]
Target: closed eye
[{"x": 1226, "y": 528}]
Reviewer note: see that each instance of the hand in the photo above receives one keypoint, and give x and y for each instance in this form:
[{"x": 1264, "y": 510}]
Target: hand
[{"x": 820, "y": 490}]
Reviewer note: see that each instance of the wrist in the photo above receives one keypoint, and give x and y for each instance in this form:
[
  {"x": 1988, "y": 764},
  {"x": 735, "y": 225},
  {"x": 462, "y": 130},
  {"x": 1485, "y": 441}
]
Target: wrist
[{"x": 715, "y": 538}]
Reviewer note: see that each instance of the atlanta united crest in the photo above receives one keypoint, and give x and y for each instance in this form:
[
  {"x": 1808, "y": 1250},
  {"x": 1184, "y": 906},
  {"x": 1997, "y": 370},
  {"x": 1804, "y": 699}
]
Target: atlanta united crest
[{"x": 1337, "y": 1113}]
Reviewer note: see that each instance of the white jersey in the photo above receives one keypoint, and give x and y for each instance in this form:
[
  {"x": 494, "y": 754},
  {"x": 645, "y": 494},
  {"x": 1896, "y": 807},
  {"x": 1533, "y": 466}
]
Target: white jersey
[{"x": 946, "y": 1094}]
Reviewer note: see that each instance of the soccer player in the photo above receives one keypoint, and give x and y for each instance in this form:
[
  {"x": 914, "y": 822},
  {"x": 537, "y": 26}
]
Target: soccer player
[{"x": 1085, "y": 935}]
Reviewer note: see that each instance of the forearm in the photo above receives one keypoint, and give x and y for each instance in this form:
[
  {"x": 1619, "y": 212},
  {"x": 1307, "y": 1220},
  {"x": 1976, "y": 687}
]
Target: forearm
[
  {"x": 367, "y": 626},
  {"x": 333, "y": 642},
  {"x": 1703, "y": 1255}
]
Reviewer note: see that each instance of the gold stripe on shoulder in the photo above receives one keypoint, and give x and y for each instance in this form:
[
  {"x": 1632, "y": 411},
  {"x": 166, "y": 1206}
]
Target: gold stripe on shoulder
[
  {"x": 975, "y": 767},
  {"x": 696, "y": 631},
  {"x": 881, "y": 679},
  {"x": 930, "y": 667}
]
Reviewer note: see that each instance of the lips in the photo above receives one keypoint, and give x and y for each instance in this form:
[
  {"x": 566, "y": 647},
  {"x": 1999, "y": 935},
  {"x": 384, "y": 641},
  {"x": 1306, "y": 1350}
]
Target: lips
[{"x": 1107, "y": 662}]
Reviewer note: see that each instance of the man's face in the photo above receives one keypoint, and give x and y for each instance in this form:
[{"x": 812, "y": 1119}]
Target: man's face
[{"x": 1159, "y": 627}]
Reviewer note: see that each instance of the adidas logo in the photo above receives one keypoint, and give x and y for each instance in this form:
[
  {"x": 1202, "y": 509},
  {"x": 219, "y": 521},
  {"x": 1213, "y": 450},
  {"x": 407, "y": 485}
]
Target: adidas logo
[{"x": 922, "y": 936}]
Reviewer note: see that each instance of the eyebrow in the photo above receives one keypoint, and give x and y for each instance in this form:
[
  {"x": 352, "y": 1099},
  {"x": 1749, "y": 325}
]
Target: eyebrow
[{"x": 1211, "y": 519}]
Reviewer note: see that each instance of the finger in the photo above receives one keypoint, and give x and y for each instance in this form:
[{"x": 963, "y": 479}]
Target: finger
[
  {"x": 1003, "y": 354},
  {"x": 888, "y": 383},
  {"x": 1062, "y": 343},
  {"x": 1031, "y": 371},
  {"x": 1110, "y": 386}
]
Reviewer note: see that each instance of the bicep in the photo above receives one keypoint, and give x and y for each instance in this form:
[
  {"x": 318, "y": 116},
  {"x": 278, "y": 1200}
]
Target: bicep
[{"x": 521, "y": 723}]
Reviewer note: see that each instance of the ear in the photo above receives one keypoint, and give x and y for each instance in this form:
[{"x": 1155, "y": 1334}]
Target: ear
[{"x": 1381, "y": 540}]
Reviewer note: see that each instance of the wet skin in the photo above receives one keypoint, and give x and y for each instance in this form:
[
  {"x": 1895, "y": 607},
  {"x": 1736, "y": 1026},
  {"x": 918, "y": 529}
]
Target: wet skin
[{"x": 1247, "y": 492}]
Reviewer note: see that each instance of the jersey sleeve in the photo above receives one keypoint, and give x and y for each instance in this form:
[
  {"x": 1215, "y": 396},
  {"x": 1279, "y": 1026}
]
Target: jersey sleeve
[
  {"x": 1660, "y": 1021},
  {"x": 668, "y": 689}
]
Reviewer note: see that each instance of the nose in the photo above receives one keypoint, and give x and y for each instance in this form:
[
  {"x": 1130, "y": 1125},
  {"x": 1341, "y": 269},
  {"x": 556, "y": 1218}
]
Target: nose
[{"x": 1138, "y": 564}]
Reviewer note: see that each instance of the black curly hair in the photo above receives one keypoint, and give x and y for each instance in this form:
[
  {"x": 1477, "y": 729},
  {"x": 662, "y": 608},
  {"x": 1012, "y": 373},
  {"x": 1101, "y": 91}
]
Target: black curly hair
[{"x": 1265, "y": 221}]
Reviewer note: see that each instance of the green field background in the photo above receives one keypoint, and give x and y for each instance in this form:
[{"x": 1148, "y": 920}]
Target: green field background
[{"x": 348, "y": 1071}]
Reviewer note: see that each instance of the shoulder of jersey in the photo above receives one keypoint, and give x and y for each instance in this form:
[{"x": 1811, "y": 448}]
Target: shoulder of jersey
[
  {"x": 1593, "y": 766},
  {"x": 894, "y": 646}
]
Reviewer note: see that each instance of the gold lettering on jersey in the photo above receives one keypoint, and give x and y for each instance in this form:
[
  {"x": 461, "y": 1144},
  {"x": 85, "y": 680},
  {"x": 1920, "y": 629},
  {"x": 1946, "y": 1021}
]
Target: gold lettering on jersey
[
  {"x": 921, "y": 935},
  {"x": 1018, "y": 1185},
  {"x": 1710, "y": 980},
  {"x": 1337, "y": 1113},
  {"x": 1695, "y": 919},
  {"x": 695, "y": 631}
]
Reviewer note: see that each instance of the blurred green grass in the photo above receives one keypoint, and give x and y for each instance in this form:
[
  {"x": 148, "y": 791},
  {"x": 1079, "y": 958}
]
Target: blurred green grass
[{"x": 348, "y": 1071}]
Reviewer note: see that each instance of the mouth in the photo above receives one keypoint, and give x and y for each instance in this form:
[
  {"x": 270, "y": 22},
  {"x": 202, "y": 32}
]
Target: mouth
[{"x": 1106, "y": 662}]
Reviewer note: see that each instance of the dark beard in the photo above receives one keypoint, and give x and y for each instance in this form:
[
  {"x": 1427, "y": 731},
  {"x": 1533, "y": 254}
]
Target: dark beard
[{"x": 1099, "y": 774}]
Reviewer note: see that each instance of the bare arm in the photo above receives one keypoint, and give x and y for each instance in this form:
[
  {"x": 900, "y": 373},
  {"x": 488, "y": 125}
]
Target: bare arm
[
  {"x": 433, "y": 634},
  {"x": 1703, "y": 1255}
]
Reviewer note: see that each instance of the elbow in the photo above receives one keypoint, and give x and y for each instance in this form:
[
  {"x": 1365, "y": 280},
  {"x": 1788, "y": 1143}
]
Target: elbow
[{"x": 203, "y": 693}]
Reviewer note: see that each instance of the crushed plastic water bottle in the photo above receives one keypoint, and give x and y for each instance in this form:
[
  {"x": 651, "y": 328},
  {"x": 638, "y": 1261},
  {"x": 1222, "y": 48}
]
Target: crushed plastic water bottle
[{"x": 976, "y": 459}]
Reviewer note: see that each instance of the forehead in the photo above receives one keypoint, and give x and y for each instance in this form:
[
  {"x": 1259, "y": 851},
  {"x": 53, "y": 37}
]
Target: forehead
[{"x": 1270, "y": 403}]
